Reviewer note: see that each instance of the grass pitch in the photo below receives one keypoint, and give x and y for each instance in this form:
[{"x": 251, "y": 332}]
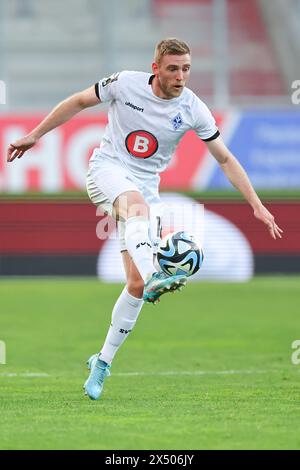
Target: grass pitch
[{"x": 209, "y": 368}]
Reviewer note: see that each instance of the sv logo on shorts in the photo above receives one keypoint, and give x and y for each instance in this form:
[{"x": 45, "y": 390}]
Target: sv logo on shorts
[{"x": 141, "y": 144}]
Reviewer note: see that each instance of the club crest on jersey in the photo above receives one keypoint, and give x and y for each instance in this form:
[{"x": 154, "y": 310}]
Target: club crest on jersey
[
  {"x": 177, "y": 121},
  {"x": 141, "y": 144}
]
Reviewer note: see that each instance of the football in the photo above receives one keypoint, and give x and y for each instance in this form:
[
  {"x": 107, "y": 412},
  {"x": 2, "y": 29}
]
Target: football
[{"x": 178, "y": 253}]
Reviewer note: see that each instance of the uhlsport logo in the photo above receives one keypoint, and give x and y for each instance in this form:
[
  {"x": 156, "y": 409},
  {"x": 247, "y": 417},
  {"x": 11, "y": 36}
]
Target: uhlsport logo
[
  {"x": 2, "y": 92},
  {"x": 2, "y": 352},
  {"x": 141, "y": 144}
]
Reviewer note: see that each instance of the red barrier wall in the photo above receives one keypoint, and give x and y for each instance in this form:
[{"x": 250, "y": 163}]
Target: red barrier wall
[{"x": 64, "y": 227}]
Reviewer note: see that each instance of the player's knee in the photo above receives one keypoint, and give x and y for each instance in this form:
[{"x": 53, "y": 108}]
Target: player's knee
[
  {"x": 135, "y": 287},
  {"x": 131, "y": 204},
  {"x": 139, "y": 210}
]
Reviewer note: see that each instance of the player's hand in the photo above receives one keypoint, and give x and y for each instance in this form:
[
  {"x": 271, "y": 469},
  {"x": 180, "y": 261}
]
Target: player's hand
[
  {"x": 18, "y": 148},
  {"x": 267, "y": 218}
]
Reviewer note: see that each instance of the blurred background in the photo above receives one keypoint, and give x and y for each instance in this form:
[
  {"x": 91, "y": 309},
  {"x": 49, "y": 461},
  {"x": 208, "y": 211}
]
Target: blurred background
[{"x": 245, "y": 66}]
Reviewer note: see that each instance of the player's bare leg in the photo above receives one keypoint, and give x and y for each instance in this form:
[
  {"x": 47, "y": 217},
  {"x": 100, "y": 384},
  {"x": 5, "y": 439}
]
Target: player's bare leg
[
  {"x": 132, "y": 208},
  {"x": 135, "y": 283},
  {"x": 124, "y": 317},
  {"x": 140, "y": 276}
]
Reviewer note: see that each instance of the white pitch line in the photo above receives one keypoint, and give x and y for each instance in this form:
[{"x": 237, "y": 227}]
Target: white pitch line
[
  {"x": 193, "y": 373},
  {"x": 24, "y": 374},
  {"x": 156, "y": 374}
]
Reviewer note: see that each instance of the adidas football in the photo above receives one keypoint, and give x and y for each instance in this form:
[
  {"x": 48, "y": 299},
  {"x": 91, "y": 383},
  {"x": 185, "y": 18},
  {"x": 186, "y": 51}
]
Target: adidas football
[{"x": 178, "y": 253}]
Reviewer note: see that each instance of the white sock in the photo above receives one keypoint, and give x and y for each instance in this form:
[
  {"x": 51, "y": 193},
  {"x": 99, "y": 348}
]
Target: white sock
[
  {"x": 139, "y": 245},
  {"x": 124, "y": 317}
]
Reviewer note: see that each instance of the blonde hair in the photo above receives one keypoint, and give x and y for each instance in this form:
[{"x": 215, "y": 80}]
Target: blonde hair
[{"x": 170, "y": 46}]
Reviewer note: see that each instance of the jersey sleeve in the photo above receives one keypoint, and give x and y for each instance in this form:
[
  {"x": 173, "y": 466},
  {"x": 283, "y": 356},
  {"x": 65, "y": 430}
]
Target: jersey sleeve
[
  {"x": 205, "y": 124},
  {"x": 107, "y": 89}
]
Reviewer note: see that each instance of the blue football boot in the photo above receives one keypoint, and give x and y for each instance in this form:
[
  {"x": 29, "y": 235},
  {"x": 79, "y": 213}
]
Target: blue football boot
[
  {"x": 99, "y": 370},
  {"x": 160, "y": 284}
]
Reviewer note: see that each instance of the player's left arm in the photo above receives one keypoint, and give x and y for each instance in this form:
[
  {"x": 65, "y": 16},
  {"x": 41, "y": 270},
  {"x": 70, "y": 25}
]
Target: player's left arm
[{"x": 239, "y": 179}]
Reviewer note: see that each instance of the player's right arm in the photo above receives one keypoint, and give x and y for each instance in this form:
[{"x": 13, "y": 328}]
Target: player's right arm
[{"x": 62, "y": 113}]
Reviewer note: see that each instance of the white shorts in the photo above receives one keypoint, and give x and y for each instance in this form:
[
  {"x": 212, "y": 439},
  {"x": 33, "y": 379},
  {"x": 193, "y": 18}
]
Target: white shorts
[{"x": 105, "y": 183}]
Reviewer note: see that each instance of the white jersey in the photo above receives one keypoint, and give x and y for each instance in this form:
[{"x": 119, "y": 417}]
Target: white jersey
[{"x": 143, "y": 130}]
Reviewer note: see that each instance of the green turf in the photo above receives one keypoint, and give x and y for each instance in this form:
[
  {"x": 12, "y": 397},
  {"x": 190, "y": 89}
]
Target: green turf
[
  {"x": 184, "y": 349},
  {"x": 210, "y": 194}
]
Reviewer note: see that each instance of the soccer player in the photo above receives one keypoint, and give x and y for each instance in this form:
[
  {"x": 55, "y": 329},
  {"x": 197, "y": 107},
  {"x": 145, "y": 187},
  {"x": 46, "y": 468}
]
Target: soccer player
[{"x": 148, "y": 115}]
